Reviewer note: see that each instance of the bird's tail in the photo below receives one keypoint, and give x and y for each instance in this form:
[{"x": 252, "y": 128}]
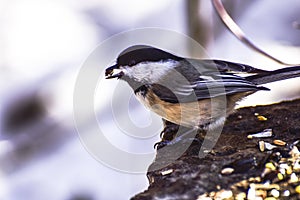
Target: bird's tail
[{"x": 277, "y": 75}]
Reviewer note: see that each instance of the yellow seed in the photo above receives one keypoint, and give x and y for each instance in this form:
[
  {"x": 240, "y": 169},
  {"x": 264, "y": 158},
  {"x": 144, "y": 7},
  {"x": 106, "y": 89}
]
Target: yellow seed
[
  {"x": 250, "y": 136},
  {"x": 297, "y": 189},
  {"x": 280, "y": 176},
  {"x": 279, "y": 142},
  {"x": 261, "y": 193},
  {"x": 255, "y": 179},
  {"x": 270, "y": 198},
  {"x": 241, "y": 196},
  {"x": 261, "y": 145},
  {"x": 289, "y": 170},
  {"x": 267, "y": 186},
  {"x": 270, "y": 166},
  {"x": 262, "y": 118},
  {"x": 242, "y": 183}
]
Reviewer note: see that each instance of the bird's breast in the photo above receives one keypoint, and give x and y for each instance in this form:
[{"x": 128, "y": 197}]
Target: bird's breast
[{"x": 191, "y": 114}]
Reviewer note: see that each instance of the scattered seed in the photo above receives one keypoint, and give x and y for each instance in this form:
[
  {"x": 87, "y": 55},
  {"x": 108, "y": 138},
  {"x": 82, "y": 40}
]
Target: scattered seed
[
  {"x": 297, "y": 189},
  {"x": 254, "y": 179},
  {"x": 286, "y": 193},
  {"x": 296, "y": 142},
  {"x": 275, "y": 193},
  {"x": 270, "y": 198},
  {"x": 270, "y": 166},
  {"x": 169, "y": 171},
  {"x": 242, "y": 183},
  {"x": 289, "y": 170},
  {"x": 207, "y": 151},
  {"x": 224, "y": 194},
  {"x": 241, "y": 196},
  {"x": 227, "y": 171},
  {"x": 261, "y": 193},
  {"x": 269, "y": 146},
  {"x": 280, "y": 176},
  {"x": 294, "y": 152},
  {"x": 293, "y": 178},
  {"x": 282, "y": 173},
  {"x": 284, "y": 166},
  {"x": 296, "y": 166},
  {"x": 251, "y": 191},
  {"x": 262, "y": 118},
  {"x": 267, "y": 186},
  {"x": 261, "y": 145},
  {"x": 264, "y": 133},
  {"x": 279, "y": 142},
  {"x": 281, "y": 170}
]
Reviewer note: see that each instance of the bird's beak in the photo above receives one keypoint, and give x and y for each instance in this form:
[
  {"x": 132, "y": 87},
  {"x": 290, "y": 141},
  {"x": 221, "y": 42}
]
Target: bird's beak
[{"x": 113, "y": 72}]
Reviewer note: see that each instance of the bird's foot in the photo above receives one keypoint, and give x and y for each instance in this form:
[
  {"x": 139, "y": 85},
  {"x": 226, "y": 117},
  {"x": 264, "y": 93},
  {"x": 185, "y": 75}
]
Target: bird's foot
[{"x": 182, "y": 138}]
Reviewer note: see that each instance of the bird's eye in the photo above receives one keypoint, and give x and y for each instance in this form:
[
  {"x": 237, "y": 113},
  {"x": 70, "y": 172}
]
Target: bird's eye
[{"x": 132, "y": 62}]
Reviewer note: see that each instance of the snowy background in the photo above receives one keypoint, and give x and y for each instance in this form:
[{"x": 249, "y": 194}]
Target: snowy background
[{"x": 44, "y": 43}]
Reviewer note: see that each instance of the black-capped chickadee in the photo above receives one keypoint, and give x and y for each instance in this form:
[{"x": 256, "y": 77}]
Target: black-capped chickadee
[{"x": 190, "y": 92}]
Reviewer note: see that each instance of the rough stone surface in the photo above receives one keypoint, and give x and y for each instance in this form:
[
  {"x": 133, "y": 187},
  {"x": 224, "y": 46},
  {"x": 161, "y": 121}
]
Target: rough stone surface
[{"x": 234, "y": 158}]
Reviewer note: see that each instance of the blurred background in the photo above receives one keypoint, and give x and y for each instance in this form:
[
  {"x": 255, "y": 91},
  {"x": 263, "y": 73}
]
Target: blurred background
[{"x": 43, "y": 44}]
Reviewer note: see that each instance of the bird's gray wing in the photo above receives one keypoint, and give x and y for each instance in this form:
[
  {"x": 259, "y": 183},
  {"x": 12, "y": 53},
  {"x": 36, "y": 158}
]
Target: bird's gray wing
[{"x": 204, "y": 79}]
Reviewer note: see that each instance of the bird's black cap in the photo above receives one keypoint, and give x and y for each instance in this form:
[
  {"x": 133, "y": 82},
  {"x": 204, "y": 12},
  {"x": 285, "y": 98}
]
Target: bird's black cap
[{"x": 143, "y": 53}]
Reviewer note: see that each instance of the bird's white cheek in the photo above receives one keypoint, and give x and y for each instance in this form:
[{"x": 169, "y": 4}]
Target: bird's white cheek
[
  {"x": 149, "y": 72},
  {"x": 136, "y": 73}
]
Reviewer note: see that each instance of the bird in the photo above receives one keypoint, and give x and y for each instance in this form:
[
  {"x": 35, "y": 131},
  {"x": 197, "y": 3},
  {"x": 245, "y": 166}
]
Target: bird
[{"x": 193, "y": 93}]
